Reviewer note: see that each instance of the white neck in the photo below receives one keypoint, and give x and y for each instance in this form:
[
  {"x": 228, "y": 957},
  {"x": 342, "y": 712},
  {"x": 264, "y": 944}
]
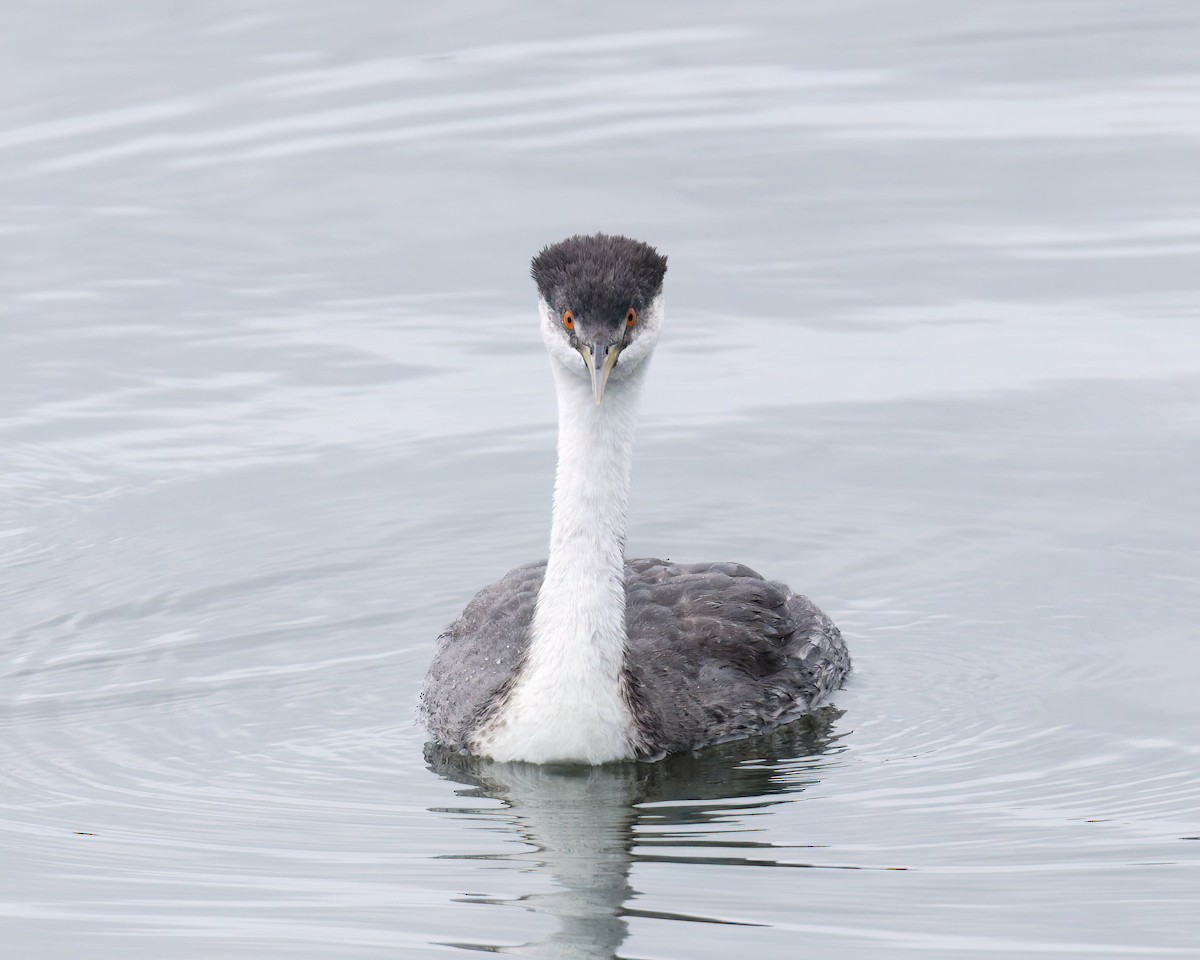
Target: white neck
[{"x": 568, "y": 703}]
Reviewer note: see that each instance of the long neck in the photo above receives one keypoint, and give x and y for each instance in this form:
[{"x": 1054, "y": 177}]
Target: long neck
[
  {"x": 591, "y": 501},
  {"x": 569, "y": 701}
]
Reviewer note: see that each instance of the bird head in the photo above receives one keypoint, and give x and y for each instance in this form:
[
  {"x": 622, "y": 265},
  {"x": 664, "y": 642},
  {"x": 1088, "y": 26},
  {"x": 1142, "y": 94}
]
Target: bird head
[{"x": 600, "y": 299}]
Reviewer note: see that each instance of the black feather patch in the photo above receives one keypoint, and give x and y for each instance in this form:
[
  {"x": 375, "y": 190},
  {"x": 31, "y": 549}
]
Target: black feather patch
[{"x": 599, "y": 276}]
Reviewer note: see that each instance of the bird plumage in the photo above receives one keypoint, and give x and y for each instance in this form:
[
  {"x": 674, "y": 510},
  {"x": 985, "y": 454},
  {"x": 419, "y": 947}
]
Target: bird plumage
[
  {"x": 715, "y": 652},
  {"x": 590, "y": 657}
]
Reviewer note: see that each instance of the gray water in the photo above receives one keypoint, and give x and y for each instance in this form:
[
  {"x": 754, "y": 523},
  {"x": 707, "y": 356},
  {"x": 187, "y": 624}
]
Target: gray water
[{"x": 273, "y": 406}]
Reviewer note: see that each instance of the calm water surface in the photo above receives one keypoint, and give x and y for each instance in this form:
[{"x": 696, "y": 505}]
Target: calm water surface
[{"x": 273, "y": 406}]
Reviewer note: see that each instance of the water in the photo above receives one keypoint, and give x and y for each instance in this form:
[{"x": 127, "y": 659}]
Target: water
[{"x": 272, "y": 407}]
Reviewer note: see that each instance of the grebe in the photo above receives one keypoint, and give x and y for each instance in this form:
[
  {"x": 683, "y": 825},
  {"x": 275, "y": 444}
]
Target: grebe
[{"x": 587, "y": 657}]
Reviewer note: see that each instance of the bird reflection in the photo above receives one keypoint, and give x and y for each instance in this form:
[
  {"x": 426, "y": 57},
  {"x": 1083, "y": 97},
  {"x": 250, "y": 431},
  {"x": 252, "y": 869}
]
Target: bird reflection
[{"x": 582, "y": 822}]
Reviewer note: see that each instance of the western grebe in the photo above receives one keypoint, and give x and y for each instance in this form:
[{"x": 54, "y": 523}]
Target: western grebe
[{"x": 589, "y": 657}]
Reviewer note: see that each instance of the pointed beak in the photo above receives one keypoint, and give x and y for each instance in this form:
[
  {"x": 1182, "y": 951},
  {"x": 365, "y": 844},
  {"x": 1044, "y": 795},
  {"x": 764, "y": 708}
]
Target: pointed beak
[{"x": 599, "y": 370}]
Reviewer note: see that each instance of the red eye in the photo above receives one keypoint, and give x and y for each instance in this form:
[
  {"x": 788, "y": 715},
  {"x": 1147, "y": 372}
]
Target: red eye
[
  {"x": 568, "y": 320},
  {"x": 631, "y": 317}
]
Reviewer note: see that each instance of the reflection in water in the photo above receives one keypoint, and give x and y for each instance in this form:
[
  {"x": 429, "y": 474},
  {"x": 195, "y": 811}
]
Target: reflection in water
[{"x": 582, "y": 821}]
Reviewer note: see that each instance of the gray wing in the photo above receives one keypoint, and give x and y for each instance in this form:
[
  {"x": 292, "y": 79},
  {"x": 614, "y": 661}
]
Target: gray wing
[
  {"x": 715, "y": 653},
  {"x": 719, "y": 653},
  {"x": 477, "y": 655}
]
